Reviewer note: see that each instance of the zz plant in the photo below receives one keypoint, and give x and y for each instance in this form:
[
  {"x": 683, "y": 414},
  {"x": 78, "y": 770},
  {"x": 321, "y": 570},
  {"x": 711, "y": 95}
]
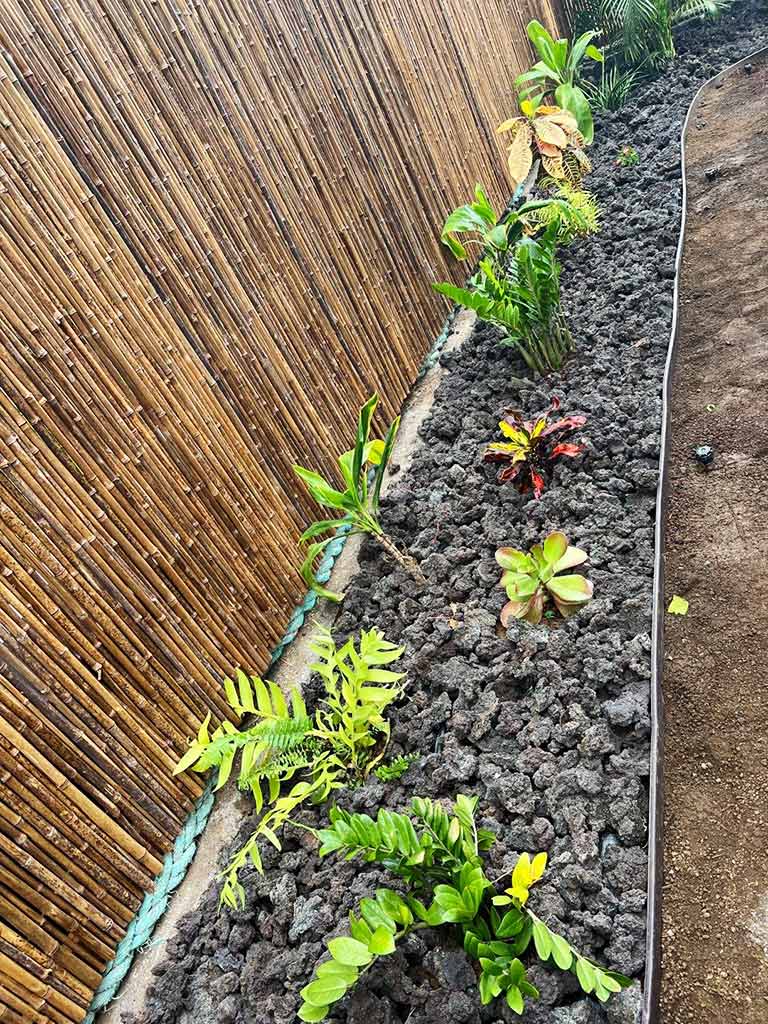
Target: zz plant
[
  {"x": 523, "y": 300},
  {"x": 559, "y": 68},
  {"x": 437, "y": 854},
  {"x": 358, "y": 501},
  {"x": 533, "y": 580},
  {"x": 532, "y": 446},
  {"x": 343, "y": 742},
  {"x": 573, "y": 210}
]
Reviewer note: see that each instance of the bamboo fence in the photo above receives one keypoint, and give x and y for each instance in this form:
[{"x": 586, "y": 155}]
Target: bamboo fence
[{"x": 218, "y": 227}]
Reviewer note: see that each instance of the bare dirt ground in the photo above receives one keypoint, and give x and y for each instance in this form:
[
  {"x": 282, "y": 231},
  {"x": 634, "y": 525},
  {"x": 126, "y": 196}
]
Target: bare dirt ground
[{"x": 715, "y": 903}]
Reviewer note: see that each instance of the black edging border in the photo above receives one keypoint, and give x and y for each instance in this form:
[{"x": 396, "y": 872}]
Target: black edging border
[{"x": 652, "y": 986}]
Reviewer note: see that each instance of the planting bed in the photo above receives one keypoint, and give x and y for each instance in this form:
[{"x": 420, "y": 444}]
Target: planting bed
[{"x": 549, "y": 725}]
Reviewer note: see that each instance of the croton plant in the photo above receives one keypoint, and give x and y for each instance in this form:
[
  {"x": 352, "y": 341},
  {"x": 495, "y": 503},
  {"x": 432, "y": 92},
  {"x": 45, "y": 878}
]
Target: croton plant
[
  {"x": 550, "y": 134},
  {"x": 532, "y": 580},
  {"x": 532, "y": 446}
]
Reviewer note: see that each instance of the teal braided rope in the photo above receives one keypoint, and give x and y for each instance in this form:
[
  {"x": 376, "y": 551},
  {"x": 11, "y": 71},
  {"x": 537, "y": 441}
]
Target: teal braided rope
[{"x": 178, "y": 860}]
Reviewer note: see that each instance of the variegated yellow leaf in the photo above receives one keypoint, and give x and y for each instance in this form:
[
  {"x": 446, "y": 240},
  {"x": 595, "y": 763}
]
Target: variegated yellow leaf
[{"x": 520, "y": 156}]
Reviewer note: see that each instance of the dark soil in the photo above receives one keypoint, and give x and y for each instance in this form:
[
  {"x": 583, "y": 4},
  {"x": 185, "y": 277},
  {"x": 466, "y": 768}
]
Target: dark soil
[
  {"x": 715, "y": 952},
  {"x": 549, "y": 726}
]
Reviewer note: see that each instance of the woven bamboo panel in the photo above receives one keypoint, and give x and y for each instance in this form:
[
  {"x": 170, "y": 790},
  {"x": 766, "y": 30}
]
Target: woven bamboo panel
[{"x": 218, "y": 225}]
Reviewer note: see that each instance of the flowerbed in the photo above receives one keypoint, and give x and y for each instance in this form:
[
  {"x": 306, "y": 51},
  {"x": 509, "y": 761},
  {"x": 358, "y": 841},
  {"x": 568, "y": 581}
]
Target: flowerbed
[{"x": 547, "y": 724}]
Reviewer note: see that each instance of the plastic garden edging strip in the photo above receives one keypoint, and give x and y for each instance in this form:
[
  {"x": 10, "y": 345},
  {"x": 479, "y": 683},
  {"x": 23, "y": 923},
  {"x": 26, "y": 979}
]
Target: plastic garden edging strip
[{"x": 652, "y": 987}]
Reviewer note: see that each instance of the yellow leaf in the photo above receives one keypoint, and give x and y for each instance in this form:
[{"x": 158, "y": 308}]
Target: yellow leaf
[
  {"x": 522, "y": 874},
  {"x": 513, "y": 433},
  {"x": 202, "y": 733},
  {"x": 564, "y": 118},
  {"x": 549, "y": 131},
  {"x": 678, "y": 606},
  {"x": 527, "y": 108},
  {"x": 538, "y": 866},
  {"x": 520, "y": 893},
  {"x": 553, "y": 166},
  {"x": 520, "y": 156},
  {"x": 513, "y": 124}
]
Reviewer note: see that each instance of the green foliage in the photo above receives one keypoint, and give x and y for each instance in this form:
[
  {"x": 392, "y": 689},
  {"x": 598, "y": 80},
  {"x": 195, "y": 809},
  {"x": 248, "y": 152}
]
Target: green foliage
[
  {"x": 640, "y": 31},
  {"x": 523, "y": 300},
  {"x": 531, "y": 447},
  {"x": 359, "y": 500},
  {"x": 614, "y": 87},
  {"x": 627, "y": 157},
  {"x": 396, "y": 768},
  {"x": 574, "y": 211},
  {"x": 559, "y": 69},
  {"x": 438, "y": 854},
  {"x": 344, "y": 741},
  {"x": 531, "y": 580}
]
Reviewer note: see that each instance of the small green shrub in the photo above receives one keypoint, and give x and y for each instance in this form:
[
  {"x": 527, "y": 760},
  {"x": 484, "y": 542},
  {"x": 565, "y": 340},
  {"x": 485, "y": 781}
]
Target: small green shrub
[
  {"x": 437, "y": 854},
  {"x": 532, "y": 446},
  {"x": 359, "y": 501},
  {"x": 559, "y": 68},
  {"x": 613, "y": 89},
  {"x": 640, "y": 32},
  {"x": 343, "y": 742},
  {"x": 627, "y": 157},
  {"x": 396, "y": 768},
  {"x": 523, "y": 300},
  {"x": 532, "y": 580}
]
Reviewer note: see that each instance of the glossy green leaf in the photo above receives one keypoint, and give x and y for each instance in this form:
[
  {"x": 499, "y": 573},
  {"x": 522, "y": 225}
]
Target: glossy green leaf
[
  {"x": 324, "y": 991},
  {"x": 382, "y": 942},
  {"x": 349, "y": 951}
]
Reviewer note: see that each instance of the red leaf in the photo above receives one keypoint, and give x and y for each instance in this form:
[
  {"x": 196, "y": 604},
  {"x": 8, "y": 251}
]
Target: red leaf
[
  {"x": 569, "y": 450},
  {"x": 490, "y": 456},
  {"x": 509, "y": 473},
  {"x": 567, "y": 423},
  {"x": 538, "y": 483}
]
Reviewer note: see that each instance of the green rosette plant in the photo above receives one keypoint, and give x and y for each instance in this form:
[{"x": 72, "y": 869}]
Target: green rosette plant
[{"x": 534, "y": 580}]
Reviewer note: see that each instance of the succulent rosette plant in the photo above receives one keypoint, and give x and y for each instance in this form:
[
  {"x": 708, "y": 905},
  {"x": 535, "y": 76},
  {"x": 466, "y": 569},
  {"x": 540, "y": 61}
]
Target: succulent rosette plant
[
  {"x": 532, "y": 446},
  {"x": 532, "y": 580}
]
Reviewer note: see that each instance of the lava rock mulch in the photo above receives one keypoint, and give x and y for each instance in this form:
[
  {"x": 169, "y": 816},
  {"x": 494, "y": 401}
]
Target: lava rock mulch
[{"x": 549, "y": 725}]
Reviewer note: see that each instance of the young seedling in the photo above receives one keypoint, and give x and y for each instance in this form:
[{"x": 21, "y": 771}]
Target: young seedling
[
  {"x": 532, "y": 580},
  {"x": 522, "y": 299},
  {"x": 532, "y": 447},
  {"x": 359, "y": 501},
  {"x": 437, "y": 854},
  {"x": 627, "y": 157},
  {"x": 575, "y": 212}
]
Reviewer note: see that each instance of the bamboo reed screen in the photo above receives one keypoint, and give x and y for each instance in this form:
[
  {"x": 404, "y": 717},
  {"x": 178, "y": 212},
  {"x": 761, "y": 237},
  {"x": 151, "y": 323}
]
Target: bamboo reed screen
[{"x": 219, "y": 225}]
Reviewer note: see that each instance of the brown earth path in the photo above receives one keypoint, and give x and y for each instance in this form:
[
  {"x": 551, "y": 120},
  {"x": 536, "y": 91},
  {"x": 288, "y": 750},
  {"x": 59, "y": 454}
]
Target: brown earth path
[{"x": 715, "y": 681}]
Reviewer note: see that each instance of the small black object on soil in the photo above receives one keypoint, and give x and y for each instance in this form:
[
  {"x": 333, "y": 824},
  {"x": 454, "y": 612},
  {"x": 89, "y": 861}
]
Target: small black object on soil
[{"x": 704, "y": 454}]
